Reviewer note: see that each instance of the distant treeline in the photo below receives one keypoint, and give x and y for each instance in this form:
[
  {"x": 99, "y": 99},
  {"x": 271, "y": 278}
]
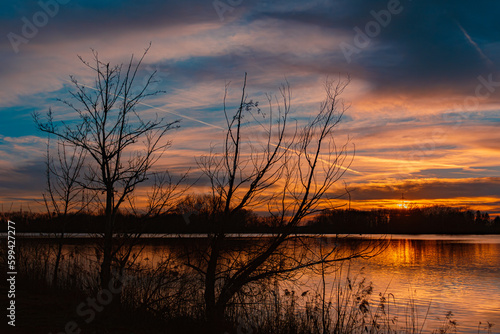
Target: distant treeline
[
  {"x": 427, "y": 220},
  {"x": 175, "y": 222}
]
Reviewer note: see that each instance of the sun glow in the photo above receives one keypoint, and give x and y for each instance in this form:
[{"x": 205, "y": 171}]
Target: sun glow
[{"x": 403, "y": 205}]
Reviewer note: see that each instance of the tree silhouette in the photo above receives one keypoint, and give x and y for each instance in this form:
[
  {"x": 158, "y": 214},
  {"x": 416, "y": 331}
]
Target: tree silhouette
[
  {"x": 121, "y": 146},
  {"x": 63, "y": 196},
  {"x": 290, "y": 172}
]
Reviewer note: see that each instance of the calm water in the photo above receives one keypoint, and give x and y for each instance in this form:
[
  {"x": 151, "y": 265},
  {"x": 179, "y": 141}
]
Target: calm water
[
  {"x": 439, "y": 274},
  {"x": 460, "y": 274}
]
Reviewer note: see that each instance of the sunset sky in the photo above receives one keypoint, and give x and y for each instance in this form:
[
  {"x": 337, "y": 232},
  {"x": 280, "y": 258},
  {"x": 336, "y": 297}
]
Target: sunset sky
[{"x": 425, "y": 90}]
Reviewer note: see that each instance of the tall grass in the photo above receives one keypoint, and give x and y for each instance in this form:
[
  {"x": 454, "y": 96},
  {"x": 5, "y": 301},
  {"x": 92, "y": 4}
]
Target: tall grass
[{"x": 349, "y": 306}]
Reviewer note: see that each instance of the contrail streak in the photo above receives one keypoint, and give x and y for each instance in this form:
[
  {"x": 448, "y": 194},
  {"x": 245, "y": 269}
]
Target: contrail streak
[
  {"x": 160, "y": 109},
  {"x": 210, "y": 125},
  {"x": 474, "y": 44}
]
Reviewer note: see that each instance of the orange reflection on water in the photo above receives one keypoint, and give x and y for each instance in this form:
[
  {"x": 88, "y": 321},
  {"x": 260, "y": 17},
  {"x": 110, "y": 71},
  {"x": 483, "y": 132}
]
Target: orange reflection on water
[{"x": 458, "y": 274}]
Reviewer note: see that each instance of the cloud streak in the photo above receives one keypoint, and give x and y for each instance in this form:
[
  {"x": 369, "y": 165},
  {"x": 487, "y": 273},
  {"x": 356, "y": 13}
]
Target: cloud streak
[{"x": 414, "y": 109}]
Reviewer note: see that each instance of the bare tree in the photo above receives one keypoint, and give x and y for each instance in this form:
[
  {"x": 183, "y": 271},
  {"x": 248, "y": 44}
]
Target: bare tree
[
  {"x": 63, "y": 195},
  {"x": 164, "y": 197},
  {"x": 165, "y": 194},
  {"x": 121, "y": 145},
  {"x": 291, "y": 172}
]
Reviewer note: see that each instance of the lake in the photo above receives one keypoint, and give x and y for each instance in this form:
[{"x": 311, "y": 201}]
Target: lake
[
  {"x": 435, "y": 274},
  {"x": 460, "y": 274}
]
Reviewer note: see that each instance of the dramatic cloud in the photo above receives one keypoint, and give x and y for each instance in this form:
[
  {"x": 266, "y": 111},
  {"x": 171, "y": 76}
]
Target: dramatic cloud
[{"x": 424, "y": 95}]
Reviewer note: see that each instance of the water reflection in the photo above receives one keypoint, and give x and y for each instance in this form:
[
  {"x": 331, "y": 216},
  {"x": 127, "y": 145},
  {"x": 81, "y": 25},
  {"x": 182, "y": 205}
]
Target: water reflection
[
  {"x": 458, "y": 274},
  {"x": 461, "y": 276}
]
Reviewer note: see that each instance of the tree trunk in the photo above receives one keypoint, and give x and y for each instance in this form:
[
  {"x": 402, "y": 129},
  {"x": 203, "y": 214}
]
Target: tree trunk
[
  {"x": 105, "y": 274},
  {"x": 106, "y": 261},
  {"x": 59, "y": 250},
  {"x": 216, "y": 320},
  {"x": 214, "y": 313},
  {"x": 58, "y": 260},
  {"x": 210, "y": 280}
]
